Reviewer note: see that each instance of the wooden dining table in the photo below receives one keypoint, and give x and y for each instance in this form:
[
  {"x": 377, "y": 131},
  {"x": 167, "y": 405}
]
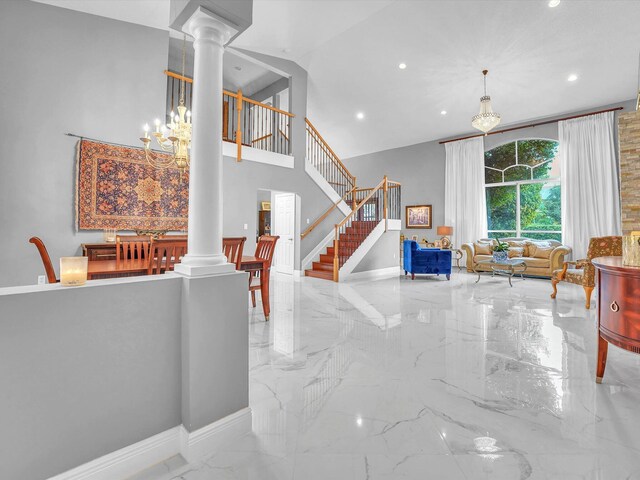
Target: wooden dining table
[
  {"x": 252, "y": 264},
  {"x": 97, "y": 269}
]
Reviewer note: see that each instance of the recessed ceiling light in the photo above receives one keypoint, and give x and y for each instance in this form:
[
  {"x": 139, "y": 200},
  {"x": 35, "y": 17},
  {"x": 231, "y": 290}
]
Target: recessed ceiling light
[
  {"x": 402, "y": 66},
  {"x": 359, "y": 115},
  {"x": 443, "y": 112},
  {"x": 554, "y": 3},
  {"x": 573, "y": 77}
]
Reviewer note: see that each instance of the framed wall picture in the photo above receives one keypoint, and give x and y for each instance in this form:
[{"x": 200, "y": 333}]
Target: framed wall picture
[
  {"x": 418, "y": 216},
  {"x": 266, "y": 206}
]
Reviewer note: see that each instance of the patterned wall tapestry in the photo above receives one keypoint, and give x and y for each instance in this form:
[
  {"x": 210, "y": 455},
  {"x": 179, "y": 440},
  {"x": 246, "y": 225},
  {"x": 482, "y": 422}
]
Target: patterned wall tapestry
[{"x": 117, "y": 188}]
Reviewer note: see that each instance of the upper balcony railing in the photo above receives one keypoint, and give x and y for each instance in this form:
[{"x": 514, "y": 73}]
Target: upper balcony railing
[
  {"x": 245, "y": 122},
  {"x": 323, "y": 158}
]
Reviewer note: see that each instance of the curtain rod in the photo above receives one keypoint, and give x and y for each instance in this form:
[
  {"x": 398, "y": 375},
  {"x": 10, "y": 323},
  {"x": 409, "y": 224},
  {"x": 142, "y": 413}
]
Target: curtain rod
[
  {"x": 532, "y": 125},
  {"x": 109, "y": 143}
]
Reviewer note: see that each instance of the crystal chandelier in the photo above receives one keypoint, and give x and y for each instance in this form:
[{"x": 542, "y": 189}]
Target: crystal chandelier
[
  {"x": 173, "y": 138},
  {"x": 487, "y": 118}
]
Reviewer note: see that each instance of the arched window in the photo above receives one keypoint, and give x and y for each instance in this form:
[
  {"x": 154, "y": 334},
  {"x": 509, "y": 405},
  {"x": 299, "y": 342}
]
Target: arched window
[{"x": 522, "y": 181}]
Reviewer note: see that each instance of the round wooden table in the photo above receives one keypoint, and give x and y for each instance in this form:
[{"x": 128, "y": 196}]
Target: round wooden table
[{"x": 618, "y": 308}]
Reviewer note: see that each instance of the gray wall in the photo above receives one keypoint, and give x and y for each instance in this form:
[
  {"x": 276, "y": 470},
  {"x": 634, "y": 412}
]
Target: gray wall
[
  {"x": 103, "y": 79},
  {"x": 383, "y": 254},
  {"x": 64, "y": 71},
  {"x": 86, "y": 371},
  {"x": 419, "y": 168}
]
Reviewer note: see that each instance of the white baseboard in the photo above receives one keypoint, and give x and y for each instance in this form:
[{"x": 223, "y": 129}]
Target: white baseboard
[
  {"x": 130, "y": 460},
  {"x": 194, "y": 445},
  {"x": 380, "y": 272}
]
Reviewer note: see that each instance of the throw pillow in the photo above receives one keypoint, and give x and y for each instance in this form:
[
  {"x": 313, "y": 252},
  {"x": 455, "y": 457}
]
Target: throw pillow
[
  {"x": 524, "y": 244},
  {"x": 482, "y": 248},
  {"x": 516, "y": 252},
  {"x": 540, "y": 250}
]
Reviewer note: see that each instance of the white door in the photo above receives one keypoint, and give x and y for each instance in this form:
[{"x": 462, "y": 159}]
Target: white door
[{"x": 283, "y": 211}]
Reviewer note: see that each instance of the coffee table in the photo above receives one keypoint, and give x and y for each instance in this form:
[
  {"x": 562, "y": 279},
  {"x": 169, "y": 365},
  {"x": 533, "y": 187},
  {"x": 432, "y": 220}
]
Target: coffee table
[{"x": 509, "y": 267}]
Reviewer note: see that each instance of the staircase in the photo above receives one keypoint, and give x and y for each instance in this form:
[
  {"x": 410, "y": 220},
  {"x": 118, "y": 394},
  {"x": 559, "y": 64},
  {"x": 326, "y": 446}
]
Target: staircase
[
  {"x": 353, "y": 237},
  {"x": 369, "y": 207}
]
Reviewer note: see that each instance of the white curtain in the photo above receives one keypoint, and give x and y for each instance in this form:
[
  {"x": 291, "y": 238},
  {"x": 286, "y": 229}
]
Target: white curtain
[
  {"x": 590, "y": 186},
  {"x": 465, "y": 207}
]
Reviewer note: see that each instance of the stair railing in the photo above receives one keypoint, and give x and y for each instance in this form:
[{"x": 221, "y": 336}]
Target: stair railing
[
  {"x": 324, "y": 159},
  {"x": 245, "y": 122},
  {"x": 368, "y": 211},
  {"x": 321, "y": 218},
  {"x": 382, "y": 202}
]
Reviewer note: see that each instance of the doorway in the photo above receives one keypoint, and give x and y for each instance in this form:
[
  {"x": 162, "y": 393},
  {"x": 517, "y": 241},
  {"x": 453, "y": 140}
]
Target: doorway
[{"x": 283, "y": 225}]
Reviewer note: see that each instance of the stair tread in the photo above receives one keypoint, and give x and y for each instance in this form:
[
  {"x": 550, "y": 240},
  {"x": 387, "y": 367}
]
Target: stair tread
[
  {"x": 319, "y": 274},
  {"x": 322, "y": 267}
]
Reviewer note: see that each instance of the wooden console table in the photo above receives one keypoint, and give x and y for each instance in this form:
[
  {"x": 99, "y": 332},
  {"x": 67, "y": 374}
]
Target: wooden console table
[
  {"x": 99, "y": 251},
  {"x": 618, "y": 308}
]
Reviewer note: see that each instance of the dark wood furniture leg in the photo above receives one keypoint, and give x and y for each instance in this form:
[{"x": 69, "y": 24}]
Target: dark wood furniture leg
[
  {"x": 603, "y": 347},
  {"x": 264, "y": 292},
  {"x": 413, "y": 276}
]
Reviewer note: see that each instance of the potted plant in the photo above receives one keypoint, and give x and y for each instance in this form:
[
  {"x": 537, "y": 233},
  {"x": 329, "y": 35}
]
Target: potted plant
[{"x": 500, "y": 251}]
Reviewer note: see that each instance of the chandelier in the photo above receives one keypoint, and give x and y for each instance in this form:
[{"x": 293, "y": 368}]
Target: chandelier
[
  {"x": 487, "y": 118},
  {"x": 174, "y": 137}
]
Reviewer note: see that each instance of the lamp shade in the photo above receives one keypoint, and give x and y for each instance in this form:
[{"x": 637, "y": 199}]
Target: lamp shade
[{"x": 445, "y": 230}]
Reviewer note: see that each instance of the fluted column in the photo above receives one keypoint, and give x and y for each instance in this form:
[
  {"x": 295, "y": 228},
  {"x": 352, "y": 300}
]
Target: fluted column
[{"x": 205, "y": 255}]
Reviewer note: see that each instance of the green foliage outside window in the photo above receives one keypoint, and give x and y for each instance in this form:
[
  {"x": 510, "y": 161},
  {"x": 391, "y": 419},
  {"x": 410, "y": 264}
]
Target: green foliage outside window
[{"x": 522, "y": 161}]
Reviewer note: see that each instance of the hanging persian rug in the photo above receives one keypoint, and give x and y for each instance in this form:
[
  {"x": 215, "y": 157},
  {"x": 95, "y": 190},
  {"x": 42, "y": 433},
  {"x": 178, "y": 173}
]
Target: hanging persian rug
[{"x": 117, "y": 188}]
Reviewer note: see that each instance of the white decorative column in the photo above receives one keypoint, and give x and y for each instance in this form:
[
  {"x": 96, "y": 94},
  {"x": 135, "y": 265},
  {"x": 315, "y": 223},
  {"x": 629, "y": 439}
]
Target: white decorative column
[{"x": 205, "y": 255}]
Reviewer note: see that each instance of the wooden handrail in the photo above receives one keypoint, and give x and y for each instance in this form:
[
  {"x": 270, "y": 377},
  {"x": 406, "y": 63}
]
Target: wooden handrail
[
  {"x": 327, "y": 150},
  {"x": 284, "y": 135},
  {"x": 324, "y": 215},
  {"x": 169, "y": 73},
  {"x": 264, "y": 105},
  {"x": 336, "y": 239},
  {"x": 335, "y": 157},
  {"x": 261, "y": 138},
  {"x": 362, "y": 202}
]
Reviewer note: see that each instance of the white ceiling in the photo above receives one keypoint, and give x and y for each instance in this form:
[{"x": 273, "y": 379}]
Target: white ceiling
[{"x": 352, "y": 48}]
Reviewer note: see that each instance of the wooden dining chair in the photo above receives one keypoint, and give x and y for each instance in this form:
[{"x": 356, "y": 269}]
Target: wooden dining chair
[
  {"x": 129, "y": 247},
  {"x": 164, "y": 254},
  {"x": 233, "y": 247},
  {"x": 264, "y": 250},
  {"x": 46, "y": 260}
]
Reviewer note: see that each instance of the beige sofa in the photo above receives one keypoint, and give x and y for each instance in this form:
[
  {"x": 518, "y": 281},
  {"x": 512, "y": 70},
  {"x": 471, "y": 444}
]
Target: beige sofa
[{"x": 536, "y": 258}]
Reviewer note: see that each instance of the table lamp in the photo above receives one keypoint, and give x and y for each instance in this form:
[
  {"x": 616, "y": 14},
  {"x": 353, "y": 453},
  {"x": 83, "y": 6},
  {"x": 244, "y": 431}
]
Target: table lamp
[{"x": 445, "y": 231}]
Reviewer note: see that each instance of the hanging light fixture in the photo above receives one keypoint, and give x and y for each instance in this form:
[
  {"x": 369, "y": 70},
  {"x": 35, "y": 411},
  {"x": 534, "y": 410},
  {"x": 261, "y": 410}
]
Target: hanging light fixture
[
  {"x": 487, "y": 118},
  {"x": 174, "y": 137}
]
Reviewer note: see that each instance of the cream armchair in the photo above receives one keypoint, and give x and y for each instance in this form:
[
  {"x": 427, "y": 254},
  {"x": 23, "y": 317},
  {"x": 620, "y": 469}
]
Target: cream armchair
[{"x": 541, "y": 260}]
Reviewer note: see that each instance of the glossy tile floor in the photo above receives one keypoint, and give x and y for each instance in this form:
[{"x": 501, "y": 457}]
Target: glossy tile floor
[{"x": 429, "y": 379}]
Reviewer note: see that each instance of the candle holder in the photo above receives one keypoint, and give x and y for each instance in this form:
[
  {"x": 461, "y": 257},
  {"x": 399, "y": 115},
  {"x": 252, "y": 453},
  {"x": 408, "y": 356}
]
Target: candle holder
[
  {"x": 73, "y": 271},
  {"x": 109, "y": 235}
]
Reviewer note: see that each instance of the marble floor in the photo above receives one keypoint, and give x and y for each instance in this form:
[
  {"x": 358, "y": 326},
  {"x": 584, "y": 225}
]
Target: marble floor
[{"x": 429, "y": 379}]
